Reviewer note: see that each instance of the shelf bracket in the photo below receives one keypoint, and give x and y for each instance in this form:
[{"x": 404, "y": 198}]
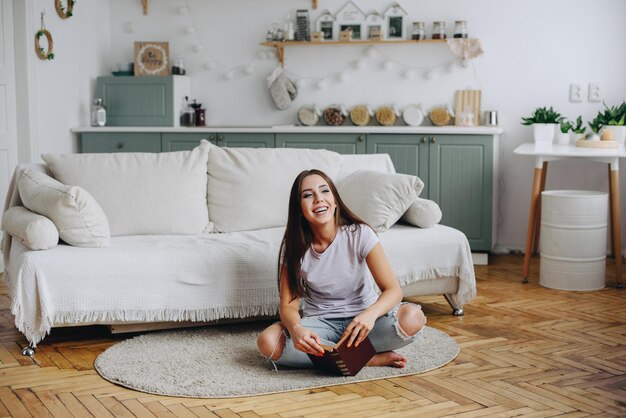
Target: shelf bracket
[
  {"x": 280, "y": 52},
  {"x": 314, "y": 4},
  {"x": 144, "y": 3}
]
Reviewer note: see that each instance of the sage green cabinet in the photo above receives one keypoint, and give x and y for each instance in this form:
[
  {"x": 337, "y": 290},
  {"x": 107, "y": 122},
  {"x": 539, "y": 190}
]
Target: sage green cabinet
[
  {"x": 120, "y": 142},
  {"x": 246, "y": 140},
  {"x": 337, "y": 142},
  {"x": 176, "y": 141},
  {"x": 457, "y": 171}
]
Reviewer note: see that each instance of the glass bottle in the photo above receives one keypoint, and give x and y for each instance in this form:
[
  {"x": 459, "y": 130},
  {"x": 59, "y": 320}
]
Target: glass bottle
[
  {"x": 417, "y": 32},
  {"x": 460, "y": 29},
  {"x": 187, "y": 114},
  {"x": 98, "y": 113},
  {"x": 439, "y": 30}
]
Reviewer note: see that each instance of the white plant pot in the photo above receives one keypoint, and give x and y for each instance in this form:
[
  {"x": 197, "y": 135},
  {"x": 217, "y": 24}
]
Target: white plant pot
[
  {"x": 562, "y": 138},
  {"x": 619, "y": 132},
  {"x": 543, "y": 133}
]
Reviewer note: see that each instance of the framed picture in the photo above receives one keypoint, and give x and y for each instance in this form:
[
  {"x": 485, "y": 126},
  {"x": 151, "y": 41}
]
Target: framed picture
[
  {"x": 394, "y": 17},
  {"x": 355, "y": 29},
  {"x": 152, "y": 58},
  {"x": 326, "y": 24},
  {"x": 395, "y": 27},
  {"x": 374, "y": 26}
]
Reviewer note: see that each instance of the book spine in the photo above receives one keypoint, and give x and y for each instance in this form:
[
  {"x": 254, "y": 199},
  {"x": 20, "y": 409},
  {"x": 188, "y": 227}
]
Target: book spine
[{"x": 340, "y": 364}]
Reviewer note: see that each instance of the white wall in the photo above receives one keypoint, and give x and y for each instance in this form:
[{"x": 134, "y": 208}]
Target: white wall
[
  {"x": 59, "y": 91},
  {"x": 533, "y": 51}
]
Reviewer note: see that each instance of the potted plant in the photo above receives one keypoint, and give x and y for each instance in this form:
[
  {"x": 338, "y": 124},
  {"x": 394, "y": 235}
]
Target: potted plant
[
  {"x": 544, "y": 122},
  {"x": 612, "y": 122},
  {"x": 579, "y": 128},
  {"x": 562, "y": 137}
]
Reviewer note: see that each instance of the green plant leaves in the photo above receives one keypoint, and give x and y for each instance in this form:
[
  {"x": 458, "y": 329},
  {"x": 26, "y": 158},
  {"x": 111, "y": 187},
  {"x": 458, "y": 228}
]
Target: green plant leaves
[{"x": 543, "y": 115}]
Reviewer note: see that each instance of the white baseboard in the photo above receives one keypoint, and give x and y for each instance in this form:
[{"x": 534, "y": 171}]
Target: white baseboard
[{"x": 480, "y": 259}]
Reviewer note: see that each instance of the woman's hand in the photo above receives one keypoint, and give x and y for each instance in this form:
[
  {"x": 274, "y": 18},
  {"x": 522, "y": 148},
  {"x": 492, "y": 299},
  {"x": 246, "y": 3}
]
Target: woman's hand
[
  {"x": 306, "y": 341},
  {"x": 360, "y": 327}
]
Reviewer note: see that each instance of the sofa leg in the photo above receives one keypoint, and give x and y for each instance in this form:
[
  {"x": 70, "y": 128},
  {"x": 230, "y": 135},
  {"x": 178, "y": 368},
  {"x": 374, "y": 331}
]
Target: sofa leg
[
  {"x": 457, "y": 310},
  {"x": 28, "y": 351}
]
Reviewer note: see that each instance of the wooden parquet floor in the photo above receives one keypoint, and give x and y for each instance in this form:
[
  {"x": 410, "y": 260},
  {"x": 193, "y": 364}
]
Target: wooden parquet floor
[{"x": 525, "y": 351}]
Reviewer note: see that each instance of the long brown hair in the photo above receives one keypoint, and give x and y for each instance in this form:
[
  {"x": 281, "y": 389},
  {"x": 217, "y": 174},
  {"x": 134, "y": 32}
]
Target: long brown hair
[{"x": 298, "y": 235}]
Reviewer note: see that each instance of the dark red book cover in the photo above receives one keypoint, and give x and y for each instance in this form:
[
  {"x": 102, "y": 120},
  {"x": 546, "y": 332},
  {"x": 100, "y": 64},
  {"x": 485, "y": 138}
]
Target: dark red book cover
[{"x": 343, "y": 360}]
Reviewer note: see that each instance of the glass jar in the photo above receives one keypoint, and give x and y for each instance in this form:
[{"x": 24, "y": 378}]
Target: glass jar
[
  {"x": 187, "y": 114},
  {"x": 460, "y": 29},
  {"x": 439, "y": 30},
  {"x": 417, "y": 32},
  {"x": 98, "y": 113}
]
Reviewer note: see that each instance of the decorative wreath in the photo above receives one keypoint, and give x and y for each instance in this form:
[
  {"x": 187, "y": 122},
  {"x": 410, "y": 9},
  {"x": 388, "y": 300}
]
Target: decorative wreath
[
  {"x": 62, "y": 11},
  {"x": 42, "y": 53}
]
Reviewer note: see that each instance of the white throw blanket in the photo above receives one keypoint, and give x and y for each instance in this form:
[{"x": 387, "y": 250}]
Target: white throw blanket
[{"x": 194, "y": 278}]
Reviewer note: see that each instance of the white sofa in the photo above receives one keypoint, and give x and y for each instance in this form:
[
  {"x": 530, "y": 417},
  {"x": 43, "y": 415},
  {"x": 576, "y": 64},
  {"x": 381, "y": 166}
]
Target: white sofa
[{"x": 194, "y": 236}]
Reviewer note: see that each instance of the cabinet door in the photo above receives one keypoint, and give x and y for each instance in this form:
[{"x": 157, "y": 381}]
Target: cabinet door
[
  {"x": 246, "y": 140},
  {"x": 460, "y": 180},
  {"x": 409, "y": 154},
  {"x": 341, "y": 143},
  {"x": 120, "y": 142},
  {"x": 183, "y": 141}
]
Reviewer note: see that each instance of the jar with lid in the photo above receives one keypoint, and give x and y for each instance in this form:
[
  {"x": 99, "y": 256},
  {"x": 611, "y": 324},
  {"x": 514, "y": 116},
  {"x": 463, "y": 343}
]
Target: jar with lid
[
  {"x": 187, "y": 114},
  {"x": 417, "y": 32},
  {"x": 460, "y": 29},
  {"x": 439, "y": 30},
  {"x": 98, "y": 113}
]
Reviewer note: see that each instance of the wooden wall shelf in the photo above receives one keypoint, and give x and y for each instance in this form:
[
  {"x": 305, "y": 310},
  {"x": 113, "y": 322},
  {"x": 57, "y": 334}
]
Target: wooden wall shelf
[{"x": 280, "y": 46}]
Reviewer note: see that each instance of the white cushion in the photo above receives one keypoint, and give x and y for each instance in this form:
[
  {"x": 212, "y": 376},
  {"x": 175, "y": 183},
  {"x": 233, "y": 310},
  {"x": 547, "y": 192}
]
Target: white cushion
[
  {"x": 34, "y": 231},
  {"x": 249, "y": 188},
  {"x": 378, "y": 198},
  {"x": 423, "y": 213},
  {"x": 75, "y": 213},
  {"x": 142, "y": 193}
]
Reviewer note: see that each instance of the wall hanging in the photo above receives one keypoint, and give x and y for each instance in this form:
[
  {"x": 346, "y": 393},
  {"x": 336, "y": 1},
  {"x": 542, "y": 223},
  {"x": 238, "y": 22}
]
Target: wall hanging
[
  {"x": 44, "y": 51},
  {"x": 64, "y": 11}
]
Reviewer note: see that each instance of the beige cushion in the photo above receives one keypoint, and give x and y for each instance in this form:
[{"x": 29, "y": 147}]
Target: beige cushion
[
  {"x": 378, "y": 198},
  {"x": 34, "y": 231},
  {"x": 249, "y": 188},
  {"x": 142, "y": 193},
  {"x": 423, "y": 213},
  {"x": 75, "y": 213}
]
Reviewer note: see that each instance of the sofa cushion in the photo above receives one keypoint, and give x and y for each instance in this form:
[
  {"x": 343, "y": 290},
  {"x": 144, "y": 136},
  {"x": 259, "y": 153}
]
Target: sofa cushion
[
  {"x": 75, "y": 213},
  {"x": 33, "y": 230},
  {"x": 248, "y": 188},
  {"x": 378, "y": 198},
  {"x": 142, "y": 193},
  {"x": 423, "y": 213}
]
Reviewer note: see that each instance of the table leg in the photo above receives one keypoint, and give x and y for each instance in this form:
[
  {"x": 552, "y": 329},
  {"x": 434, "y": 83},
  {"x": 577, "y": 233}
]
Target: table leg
[
  {"x": 616, "y": 227},
  {"x": 532, "y": 218},
  {"x": 544, "y": 173},
  {"x": 613, "y": 252}
]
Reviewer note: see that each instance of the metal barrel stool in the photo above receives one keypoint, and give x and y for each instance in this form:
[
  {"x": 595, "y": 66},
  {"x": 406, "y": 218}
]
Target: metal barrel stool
[{"x": 573, "y": 239}]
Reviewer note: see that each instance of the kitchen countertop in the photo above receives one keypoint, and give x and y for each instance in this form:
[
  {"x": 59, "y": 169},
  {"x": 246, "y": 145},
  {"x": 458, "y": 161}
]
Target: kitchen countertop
[{"x": 478, "y": 130}]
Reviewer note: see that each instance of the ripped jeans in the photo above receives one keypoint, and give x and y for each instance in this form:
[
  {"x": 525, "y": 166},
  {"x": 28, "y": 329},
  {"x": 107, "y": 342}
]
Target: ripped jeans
[{"x": 385, "y": 336}]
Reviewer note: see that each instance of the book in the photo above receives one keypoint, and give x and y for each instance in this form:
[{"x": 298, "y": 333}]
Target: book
[{"x": 343, "y": 360}]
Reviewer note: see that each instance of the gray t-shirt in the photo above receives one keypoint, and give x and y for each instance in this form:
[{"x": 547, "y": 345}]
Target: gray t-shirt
[{"x": 338, "y": 281}]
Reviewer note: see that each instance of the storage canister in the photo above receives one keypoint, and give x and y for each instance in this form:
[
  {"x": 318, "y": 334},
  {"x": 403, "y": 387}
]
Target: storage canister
[{"x": 573, "y": 239}]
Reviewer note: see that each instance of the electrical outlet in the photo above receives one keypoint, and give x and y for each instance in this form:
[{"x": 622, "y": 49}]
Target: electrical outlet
[
  {"x": 594, "y": 92},
  {"x": 575, "y": 92}
]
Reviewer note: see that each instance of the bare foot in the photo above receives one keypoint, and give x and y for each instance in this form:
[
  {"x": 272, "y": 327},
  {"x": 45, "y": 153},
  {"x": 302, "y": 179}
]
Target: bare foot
[{"x": 387, "y": 358}]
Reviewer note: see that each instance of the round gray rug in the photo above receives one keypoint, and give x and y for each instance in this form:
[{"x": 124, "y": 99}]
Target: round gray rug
[{"x": 223, "y": 361}]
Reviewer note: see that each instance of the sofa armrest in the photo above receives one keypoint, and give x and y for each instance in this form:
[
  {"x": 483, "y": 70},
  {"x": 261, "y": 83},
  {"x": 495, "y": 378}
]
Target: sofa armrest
[{"x": 34, "y": 231}]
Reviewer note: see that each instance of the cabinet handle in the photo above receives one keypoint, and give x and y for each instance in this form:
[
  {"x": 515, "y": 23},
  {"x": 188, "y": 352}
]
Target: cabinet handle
[
  {"x": 432, "y": 140},
  {"x": 360, "y": 139},
  {"x": 423, "y": 140},
  {"x": 120, "y": 145},
  {"x": 211, "y": 137},
  {"x": 220, "y": 137}
]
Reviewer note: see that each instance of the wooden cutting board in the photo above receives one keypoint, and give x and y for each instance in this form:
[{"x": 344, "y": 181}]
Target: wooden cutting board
[{"x": 466, "y": 98}]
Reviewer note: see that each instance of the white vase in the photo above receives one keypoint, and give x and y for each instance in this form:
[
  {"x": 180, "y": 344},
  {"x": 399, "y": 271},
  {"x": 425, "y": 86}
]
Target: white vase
[
  {"x": 562, "y": 138},
  {"x": 543, "y": 133}
]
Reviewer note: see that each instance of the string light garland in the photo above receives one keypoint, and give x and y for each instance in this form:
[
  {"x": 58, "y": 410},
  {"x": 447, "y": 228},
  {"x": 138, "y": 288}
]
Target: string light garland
[{"x": 371, "y": 57}]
